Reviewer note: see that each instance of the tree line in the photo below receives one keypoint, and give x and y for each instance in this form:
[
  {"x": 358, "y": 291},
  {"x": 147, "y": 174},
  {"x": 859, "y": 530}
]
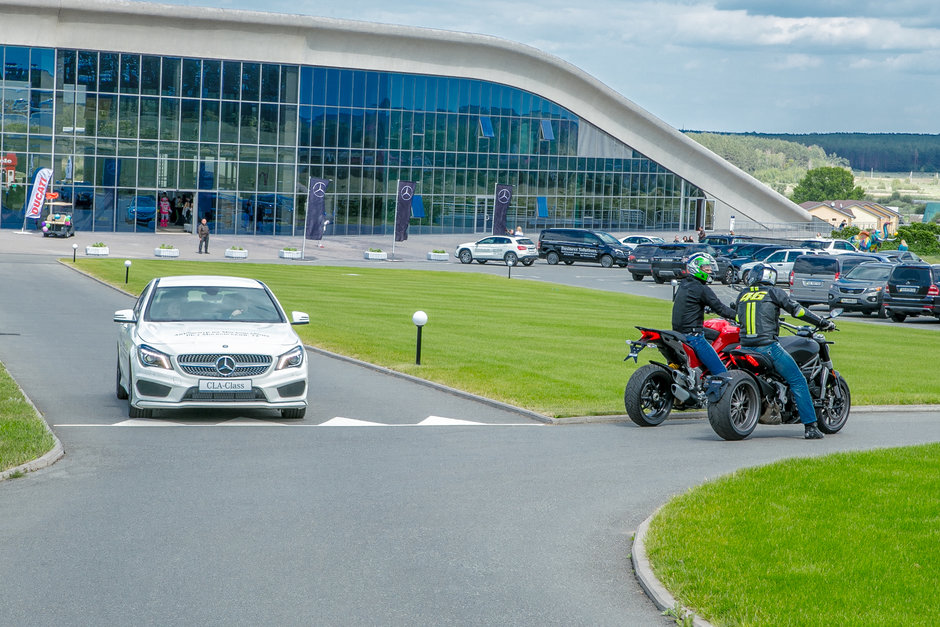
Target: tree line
[{"x": 881, "y": 152}]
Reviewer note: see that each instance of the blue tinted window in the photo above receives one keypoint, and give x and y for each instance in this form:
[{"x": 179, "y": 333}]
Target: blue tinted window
[
  {"x": 358, "y": 88},
  {"x": 270, "y": 82},
  {"x": 42, "y": 67},
  {"x": 211, "y": 79},
  {"x": 231, "y": 80},
  {"x": 88, "y": 69},
  {"x": 331, "y": 88},
  {"x": 486, "y": 127},
  {"x": 150, "y": 75},
  {"x": 108, "y": 72},
  {"x": 192, "y": 78},
  {"x": 130, "y": 73},
  {"x": 546, "y": 130},
  {"x": 306, "y": 85},
  {"x": 170, "y": 80}
]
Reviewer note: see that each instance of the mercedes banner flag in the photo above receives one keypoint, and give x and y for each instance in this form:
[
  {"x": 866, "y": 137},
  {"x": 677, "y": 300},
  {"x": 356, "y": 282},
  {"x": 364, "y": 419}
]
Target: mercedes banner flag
[
  {"x": 406, "y": 191},
  {"x": 503, "y": 198},
  {"x": 316, "y": 208}
]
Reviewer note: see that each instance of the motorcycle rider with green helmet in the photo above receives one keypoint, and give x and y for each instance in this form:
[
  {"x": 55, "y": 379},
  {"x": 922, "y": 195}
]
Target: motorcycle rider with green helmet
[{"x": 688, "y": 309}]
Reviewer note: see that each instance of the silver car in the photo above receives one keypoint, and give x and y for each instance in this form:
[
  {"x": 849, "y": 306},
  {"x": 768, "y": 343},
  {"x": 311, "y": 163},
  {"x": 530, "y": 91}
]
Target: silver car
[
  {"x": 210, "y": 342},
  {"x": 505, "y": 248}
]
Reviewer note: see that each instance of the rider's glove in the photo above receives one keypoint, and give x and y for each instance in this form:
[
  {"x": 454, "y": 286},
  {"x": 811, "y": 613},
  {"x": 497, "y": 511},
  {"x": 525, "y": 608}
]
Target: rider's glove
[{"x": 828, "y": 325}]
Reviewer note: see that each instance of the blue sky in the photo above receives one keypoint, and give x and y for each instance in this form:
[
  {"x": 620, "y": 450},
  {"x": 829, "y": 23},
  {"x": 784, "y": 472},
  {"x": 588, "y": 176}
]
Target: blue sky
[{"x": 781, "y": 66}]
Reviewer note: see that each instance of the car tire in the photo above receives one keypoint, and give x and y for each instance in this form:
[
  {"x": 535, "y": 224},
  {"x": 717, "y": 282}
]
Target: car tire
[
  {"x": 552, "y": 258},
  {"x": 882, "y": 312},
  {"x": 744, "y": 276},
  {"x": 119, "y": 389},
  {"x": 658, "y": 279},
  {"x": 728, "y": 277},
  {"x": 607, "y": 261},
  {"x": 481, "y": 261},
  {"x": 511, "y": 258},
  {"x": 898, "y": 317},
  {"x": 568, "y": 262},
  {"x": 294, "y": 413},
  {"x": 528, "y": 262},
  {"x": 134, "y": 412},
  {"x": 465, "y": 256},
  {"x": 637, "y": 277}
]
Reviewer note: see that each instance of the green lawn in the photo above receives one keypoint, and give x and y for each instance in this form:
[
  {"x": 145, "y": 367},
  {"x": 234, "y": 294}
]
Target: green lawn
[
  {"x": 847, "y": 539},
  {"x": 23, "y": 436},
  {"x": 554, "y": 349}
]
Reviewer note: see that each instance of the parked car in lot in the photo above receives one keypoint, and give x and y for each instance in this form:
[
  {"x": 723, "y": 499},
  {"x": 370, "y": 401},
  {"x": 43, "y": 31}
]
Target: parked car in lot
[
  {"x": 724, "y": 240},
  {"x": 143, "y": 209},
  {"x": 781, "y": 260},
  {"x": 900, "y": 256},
  {"x": 670, "y": 261},
  {"x": 913, "y": 289},
  {"x": 813, "y": 274},
  {"x": 639, "y": 261},
  {"x": 758, "y": 254},
  {"x": 632, "y": 241},
  {"x": 210, "y": 342},
  {"x": 861, "y": 289},
  {"x": 498, "y": 248},
  {"x": 570, "y": 245},
  {"x": 831, "y": 246}
]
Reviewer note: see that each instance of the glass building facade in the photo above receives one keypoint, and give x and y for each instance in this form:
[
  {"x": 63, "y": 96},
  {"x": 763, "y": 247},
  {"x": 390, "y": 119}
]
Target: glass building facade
[{"x": 236, "y": 142}]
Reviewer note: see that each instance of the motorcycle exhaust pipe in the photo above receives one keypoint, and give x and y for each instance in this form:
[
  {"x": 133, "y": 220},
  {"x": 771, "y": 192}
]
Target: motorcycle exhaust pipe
[{"x": 680, "y": 393}]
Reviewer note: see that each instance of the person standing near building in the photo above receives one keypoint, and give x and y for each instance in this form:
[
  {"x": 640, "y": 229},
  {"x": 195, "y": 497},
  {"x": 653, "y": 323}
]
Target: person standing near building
[
  {"x": 203, "y": 232},
  {"x": 164, "y": 211}
]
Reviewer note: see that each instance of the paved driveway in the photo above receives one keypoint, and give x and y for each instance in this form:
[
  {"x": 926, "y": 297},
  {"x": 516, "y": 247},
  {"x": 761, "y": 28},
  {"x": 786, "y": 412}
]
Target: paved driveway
[{"x": 246, "y": 521}]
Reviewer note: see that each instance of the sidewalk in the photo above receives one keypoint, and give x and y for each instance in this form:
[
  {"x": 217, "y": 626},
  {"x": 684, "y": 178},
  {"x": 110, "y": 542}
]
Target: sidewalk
[{"x": 261, "y": 248}]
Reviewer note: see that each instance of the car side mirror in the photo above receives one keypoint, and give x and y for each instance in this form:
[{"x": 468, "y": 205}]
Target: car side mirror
[
  {"x": 299, "y": 317},
  {"x": 124, "y": 315}
]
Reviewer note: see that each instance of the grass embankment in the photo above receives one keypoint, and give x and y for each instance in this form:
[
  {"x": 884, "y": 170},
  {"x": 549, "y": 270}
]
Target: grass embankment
[
  {"x": 847, "y": 539},
  {"x": 23, "y": 436},
  {"x": 551, "y": 348}
]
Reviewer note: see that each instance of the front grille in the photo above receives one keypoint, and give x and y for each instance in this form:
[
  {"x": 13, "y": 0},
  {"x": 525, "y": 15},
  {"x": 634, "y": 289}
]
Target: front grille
[
  {"x": 193, "y": 394},
  {"x": 203, "y": 365}
]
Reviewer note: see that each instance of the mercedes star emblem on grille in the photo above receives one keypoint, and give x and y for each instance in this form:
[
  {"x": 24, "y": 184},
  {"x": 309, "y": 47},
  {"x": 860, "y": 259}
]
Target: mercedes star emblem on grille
[{"x": 225, "y": 365}]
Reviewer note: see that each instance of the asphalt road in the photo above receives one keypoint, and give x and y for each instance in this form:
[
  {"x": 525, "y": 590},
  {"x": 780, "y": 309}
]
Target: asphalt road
[{"x": 243, "y": 519}]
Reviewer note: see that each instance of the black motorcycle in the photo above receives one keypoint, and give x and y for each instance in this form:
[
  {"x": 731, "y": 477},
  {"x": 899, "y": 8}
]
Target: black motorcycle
[{"x": 755, "y": 393}]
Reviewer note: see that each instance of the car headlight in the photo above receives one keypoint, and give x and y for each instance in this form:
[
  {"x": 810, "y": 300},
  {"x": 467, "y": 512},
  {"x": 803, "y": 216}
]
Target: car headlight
[
  {"x": 152, "y": 358},
  {"x": 291, "y": 359}
]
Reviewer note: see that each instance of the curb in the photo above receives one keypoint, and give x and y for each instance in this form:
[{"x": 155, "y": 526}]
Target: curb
[
  {"x": 648, "y": 581},
  {"x": 51, "y": 457}
]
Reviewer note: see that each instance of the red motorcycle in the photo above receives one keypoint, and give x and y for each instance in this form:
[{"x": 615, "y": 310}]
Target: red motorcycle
[{"x": 656, "y": 388}]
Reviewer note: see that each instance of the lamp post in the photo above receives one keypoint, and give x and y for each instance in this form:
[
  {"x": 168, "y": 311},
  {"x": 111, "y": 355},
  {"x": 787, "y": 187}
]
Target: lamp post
[
  {"x": 420, "y": 319},
  {"x": 74, "y": 249},
  {"x": 509, "y": 264},
  {"x": 675, "y": 286},
  {"x": 127, "y": 270}
]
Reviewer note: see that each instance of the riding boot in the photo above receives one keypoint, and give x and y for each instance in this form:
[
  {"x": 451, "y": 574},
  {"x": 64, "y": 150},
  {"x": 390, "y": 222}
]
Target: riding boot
[{"x": 812, "y": 432}]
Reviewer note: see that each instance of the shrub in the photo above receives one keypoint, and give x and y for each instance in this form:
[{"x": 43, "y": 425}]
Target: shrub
[
  {"x": 99, "y": 245},
  {"x": 167, "y": 247}
]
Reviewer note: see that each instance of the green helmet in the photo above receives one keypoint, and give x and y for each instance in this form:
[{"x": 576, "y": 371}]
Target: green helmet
[{"x": 696, "y": 264}]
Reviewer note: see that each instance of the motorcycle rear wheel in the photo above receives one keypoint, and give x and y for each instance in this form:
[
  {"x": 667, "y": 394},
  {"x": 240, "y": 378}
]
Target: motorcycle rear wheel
[
  {"x": 648, "y": 396},
  {"x": 736, "y": 413},
  {"x": 837, "y": 403}
]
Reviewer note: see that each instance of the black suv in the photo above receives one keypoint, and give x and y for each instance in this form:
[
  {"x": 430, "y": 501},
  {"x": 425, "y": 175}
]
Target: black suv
[
  {"x": 639, "y": 259},
  {"x": 670, "y": 261},
  {"x": 570, "y": 245},
  {"x": 913, "y": 289}
]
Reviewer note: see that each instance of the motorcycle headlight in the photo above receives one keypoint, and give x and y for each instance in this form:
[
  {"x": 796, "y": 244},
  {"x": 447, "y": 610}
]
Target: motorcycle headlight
[
  {"x": 152, "y": 358},
  {"x": 291, "y": 359}
]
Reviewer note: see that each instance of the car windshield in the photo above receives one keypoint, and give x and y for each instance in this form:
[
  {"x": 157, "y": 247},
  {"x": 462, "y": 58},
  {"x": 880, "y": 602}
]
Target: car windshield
[
  {"x": 525, "y": 241},
  {"x": 212, "y": 304},
  {"x": 815, "y": 244},
  {"x": 607, "y": 238},
  {"x": 869, "y": 272},
  {"x": 763, "y": 253}
]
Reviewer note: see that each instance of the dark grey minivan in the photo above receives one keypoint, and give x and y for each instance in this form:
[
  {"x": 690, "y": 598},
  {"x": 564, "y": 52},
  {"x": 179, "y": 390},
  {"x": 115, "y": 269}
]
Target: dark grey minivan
[{"x": 813, "y": 275}]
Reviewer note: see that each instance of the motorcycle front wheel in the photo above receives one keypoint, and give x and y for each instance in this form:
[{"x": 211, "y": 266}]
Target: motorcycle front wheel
[
  {"x": 834, "y": 412},
  {"x": 648, "y": 396},
  {"x": 735, "y": 414}
]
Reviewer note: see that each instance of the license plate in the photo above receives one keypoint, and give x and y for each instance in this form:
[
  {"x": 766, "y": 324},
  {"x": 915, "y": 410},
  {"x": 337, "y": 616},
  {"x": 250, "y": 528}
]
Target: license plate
[
  {"x": 907, "y": 290},
  {"x": 848, "y": 300},
  {"x": 811, "y": 283},
  {"x": 224, "y": 385}
]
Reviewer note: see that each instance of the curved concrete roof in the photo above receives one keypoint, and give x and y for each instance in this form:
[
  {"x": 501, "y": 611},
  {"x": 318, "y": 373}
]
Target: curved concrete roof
[{"x": 120, "y": 25}]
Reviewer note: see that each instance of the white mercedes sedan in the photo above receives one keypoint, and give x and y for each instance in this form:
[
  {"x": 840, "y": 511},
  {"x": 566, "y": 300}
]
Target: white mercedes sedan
[{"x": 210, "y": 342}]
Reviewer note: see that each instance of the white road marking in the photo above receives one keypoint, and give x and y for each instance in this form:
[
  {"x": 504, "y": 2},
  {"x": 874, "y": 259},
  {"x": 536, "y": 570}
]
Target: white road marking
[
  {"x": 338, "y": 421},
  {"x": 440, "y": 421}
]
